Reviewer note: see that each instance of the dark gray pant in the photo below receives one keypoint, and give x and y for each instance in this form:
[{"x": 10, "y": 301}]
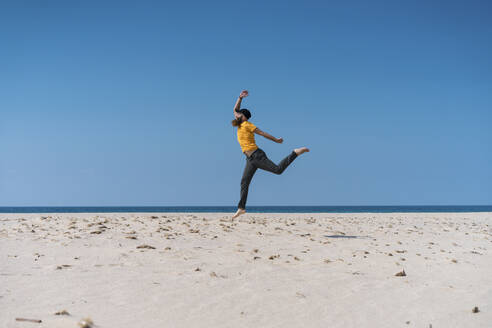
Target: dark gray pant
[{"x": 259, "y": 160}]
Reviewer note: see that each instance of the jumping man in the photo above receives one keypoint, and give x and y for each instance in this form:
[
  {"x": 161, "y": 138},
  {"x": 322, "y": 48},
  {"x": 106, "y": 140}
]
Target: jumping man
[{"x": 255, "y": 157}]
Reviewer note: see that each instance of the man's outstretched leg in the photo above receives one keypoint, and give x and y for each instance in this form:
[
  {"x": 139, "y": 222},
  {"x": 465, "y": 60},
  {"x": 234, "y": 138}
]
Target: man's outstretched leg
[{"x": 266, "y": 164}]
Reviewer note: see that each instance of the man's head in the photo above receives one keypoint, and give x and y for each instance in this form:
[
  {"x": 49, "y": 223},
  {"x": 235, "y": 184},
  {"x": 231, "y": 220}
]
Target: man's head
[
  {"x": 242, "y": 115},
  {"x": 245, "y": 113}
]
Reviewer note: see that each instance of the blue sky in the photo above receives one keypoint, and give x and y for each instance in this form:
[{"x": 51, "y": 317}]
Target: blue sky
[{"x": 130, "y": 103}]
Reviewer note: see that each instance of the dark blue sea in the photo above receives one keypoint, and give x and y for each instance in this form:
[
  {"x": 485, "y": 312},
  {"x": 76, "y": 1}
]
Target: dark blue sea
[{"x": 252, "y": 209}]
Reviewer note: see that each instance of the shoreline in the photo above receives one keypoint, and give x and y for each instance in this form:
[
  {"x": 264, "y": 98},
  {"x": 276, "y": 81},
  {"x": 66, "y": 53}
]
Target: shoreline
[
  {"x": 252, "y": 209},
  {"x": 232, "y": 212}
]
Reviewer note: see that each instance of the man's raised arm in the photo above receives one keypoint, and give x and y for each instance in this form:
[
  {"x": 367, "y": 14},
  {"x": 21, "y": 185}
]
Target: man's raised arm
[{"x": 243, "y": 94}]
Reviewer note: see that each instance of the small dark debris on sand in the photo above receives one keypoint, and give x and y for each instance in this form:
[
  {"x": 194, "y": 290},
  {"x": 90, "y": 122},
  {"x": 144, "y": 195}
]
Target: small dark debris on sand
[
  {"x": 62, "y": 312},
  {"x": 59, "y": 267},
  {"x": 146, "y": 246},
  {"x": 401, "y": 274},
  {"x": 475, "y": 309}
]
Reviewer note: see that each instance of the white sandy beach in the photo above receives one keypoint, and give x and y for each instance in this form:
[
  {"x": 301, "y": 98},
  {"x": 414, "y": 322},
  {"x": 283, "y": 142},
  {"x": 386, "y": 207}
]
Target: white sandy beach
[{"x": 262, "y": 270}]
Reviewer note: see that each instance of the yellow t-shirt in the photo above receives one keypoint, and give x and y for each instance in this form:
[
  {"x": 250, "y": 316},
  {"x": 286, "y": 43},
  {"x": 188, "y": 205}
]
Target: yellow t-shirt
[{"x": 246, "y": 136}]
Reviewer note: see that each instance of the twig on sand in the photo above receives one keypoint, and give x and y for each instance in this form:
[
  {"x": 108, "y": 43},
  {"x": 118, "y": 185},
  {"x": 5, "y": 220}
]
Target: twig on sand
[
  {"x": 28, "y": 320},
  {"x": 146, "y": 246}
]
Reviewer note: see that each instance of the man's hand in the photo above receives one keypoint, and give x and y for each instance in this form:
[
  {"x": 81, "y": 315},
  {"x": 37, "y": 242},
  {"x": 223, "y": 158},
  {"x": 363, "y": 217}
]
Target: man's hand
[
  {"x": 243, "y": 94},
  {"x": 279, "y": 140}
]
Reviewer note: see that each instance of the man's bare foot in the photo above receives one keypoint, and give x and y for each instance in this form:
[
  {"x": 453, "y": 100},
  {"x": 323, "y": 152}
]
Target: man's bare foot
[
  {"x": 239, "y": 212},
  {"x": 301, "y": 150}
]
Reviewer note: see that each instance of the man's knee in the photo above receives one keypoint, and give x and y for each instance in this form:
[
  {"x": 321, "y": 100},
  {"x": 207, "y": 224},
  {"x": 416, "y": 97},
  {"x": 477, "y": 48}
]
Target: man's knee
[{"x": 274, "y": 169}]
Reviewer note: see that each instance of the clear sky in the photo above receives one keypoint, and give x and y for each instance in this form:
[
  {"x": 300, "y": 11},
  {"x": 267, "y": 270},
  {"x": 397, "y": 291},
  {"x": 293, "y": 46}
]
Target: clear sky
[{"x": 129, "y": 103}]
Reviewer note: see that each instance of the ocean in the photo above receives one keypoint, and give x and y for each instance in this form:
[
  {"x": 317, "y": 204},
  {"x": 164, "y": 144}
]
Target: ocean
[{"x": 250, "y": 209}]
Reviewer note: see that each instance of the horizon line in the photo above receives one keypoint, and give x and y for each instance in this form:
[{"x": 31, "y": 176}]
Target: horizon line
[{"x": 150, "y": 206}]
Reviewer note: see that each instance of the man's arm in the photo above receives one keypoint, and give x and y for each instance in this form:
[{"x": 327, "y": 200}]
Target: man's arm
[
  {"x": 243, "y": 94},
  {"x": 237, "y": 106},
  {"x": 268, "y": 136}
]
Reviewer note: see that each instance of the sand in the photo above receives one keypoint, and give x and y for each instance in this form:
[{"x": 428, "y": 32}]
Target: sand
[{"x": 260, "y": 270}]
